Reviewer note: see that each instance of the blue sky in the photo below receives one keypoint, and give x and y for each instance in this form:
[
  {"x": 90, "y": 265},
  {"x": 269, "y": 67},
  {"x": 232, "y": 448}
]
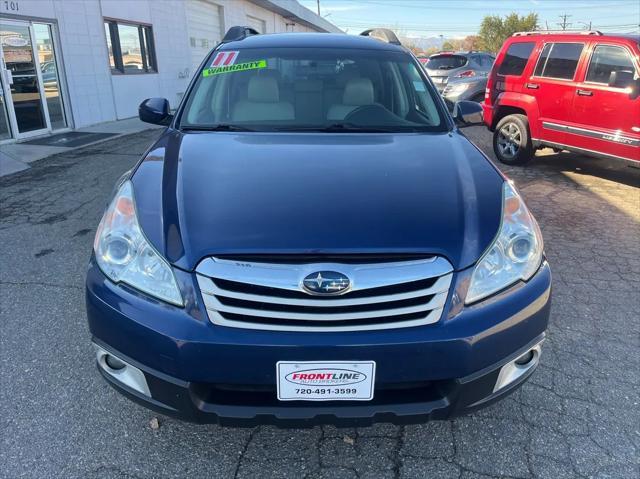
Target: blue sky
[{"x": 458, "y": 18}]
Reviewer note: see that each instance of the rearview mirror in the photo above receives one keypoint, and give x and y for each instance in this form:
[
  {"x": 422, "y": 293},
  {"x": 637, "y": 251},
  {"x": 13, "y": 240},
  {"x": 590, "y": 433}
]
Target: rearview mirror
[
  {"x": 468, "y": 113},
  {"x": 155, "y": 110},
  {"x": 621, "y": 79}
]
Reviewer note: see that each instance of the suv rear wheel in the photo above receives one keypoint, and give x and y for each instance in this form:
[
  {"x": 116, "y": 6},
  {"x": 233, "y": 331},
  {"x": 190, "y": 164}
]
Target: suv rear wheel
[{"x": 512, "y": 141}]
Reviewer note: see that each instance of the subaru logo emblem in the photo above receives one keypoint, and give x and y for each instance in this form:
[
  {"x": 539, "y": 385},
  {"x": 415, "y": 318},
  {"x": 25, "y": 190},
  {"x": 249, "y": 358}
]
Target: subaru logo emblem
[{"x": 326, "y": 283}]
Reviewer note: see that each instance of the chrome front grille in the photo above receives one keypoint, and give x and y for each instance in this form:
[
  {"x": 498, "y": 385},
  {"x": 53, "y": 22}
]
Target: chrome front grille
[{"x": 270, "y": 296}]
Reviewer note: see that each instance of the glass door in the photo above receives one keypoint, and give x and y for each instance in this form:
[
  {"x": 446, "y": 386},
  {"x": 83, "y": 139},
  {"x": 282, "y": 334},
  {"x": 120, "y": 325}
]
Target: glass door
[
  {"x": 5, "y": 130},
  {"x": 49, "y": 74},
  {"x": 23, "y": 80}
]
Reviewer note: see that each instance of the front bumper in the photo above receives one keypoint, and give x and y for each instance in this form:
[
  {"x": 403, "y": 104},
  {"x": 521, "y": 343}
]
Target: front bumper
[{"x": 206, "y": 373}]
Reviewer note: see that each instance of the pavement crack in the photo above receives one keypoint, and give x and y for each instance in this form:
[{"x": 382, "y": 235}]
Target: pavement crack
[
  {"x": 41, "y": 283},
  {"x": 395, "y": 454},
  {"x": 253, "y": 433}
]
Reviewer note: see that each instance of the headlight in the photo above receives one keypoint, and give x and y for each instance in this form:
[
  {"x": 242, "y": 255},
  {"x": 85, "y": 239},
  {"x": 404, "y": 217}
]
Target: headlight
[
  {"x": 515, "y": 254},
  {"x": 457, "y": 87},
  {"x": 124, "y": 254}
]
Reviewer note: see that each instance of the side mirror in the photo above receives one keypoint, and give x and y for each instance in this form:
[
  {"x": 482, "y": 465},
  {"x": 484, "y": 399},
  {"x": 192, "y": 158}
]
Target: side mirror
[
  {"x": 621, "y": 79},
  {"x": 468, "y": 113},
  {"x": 155, "y": 110}
]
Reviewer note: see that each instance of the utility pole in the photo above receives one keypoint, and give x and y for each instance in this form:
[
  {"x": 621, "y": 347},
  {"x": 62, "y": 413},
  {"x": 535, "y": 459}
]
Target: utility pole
[
  {"x": 564, "y": 24},
  {"x": 318, "y": 2}
]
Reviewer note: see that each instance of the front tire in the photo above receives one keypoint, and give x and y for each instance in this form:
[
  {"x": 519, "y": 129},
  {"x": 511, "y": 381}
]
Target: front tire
[{"x": 512, "y": 140}]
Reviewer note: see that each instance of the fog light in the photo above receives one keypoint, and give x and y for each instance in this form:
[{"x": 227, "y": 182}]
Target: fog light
[
  {"x": 525, "y": 358},
  {"x": 122, "y": 372},
  {"x": 518, "y": 368},
  {"x": 113, "y": 362}
]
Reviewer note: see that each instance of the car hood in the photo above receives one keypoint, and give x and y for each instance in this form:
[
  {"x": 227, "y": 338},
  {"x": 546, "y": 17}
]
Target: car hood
[{"x": 220, "y": 193}]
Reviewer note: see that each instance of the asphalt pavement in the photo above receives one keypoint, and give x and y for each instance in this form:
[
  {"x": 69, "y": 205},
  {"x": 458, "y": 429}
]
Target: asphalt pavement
[{"x": 578, "y": 416}]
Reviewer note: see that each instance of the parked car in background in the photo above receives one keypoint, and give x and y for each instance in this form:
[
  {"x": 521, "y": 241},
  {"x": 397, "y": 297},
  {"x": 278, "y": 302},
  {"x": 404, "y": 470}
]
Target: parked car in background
[
  {"x": 470, "y": 88},
  {"x": 49, "y": 75},
  {"x": 577, "y": 91},
  {"x": 445, "y": 67}
]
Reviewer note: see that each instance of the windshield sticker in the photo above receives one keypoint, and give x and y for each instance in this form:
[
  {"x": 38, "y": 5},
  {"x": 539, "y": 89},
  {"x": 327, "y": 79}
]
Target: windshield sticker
[
  {"x": 240, "y": 67},
  {"x": 225, "y": 58}
]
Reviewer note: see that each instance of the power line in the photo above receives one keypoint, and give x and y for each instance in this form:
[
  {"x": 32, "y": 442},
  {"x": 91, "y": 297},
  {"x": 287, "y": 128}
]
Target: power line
[
  {"x": 564, "y": 24},
  {"x": 588, "y": 26}
]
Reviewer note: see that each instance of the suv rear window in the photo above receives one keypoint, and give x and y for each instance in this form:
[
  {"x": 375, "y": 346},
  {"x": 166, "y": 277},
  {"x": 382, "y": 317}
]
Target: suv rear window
[
  {"x": 516, "y": 58},
  {"x": 559, "y": 60},
  {"x": 446, "y": 62}
]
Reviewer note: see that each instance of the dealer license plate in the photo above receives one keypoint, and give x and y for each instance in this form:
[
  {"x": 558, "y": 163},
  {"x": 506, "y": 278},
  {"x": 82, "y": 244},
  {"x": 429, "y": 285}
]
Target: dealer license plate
[{"x": 321, "y": 381}]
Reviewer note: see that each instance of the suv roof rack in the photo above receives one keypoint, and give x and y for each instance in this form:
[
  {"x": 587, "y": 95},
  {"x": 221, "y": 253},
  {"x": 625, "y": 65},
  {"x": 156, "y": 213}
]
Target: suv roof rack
[
  {"x": 558, "y": 32},
  {"x": 238, "y": 33},
  {"x": 383, "y": 34}
]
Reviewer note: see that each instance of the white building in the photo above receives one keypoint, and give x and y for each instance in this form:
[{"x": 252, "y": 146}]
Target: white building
[{"x": 72, "y": 63}]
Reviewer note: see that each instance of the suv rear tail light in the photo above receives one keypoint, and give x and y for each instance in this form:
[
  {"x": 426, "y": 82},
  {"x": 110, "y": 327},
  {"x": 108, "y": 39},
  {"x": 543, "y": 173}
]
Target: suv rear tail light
[
  {"x": 466, "y": 74},
  {"x": 489, "y": 93}
]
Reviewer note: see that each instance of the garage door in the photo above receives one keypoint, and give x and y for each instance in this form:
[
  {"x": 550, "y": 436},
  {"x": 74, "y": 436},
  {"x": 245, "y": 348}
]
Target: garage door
[
  {"x": 257, "y": 24},
  {"x": 204, "y": 23}
]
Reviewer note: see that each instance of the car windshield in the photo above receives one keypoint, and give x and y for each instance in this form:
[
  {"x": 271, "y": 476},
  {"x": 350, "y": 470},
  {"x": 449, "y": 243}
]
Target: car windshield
[
  {"x": 446, "y": 62},
  {"x": 303, "y": 89}
]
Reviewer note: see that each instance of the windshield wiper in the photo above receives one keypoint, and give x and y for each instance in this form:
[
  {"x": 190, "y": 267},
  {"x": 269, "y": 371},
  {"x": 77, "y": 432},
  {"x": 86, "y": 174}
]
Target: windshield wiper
[
  {"x": 338, "y": 128},
  {"x": 218, "y": 127}
]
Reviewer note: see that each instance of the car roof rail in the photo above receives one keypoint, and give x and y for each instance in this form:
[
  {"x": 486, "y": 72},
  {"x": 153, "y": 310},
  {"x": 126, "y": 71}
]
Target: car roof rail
[
  {"x": 558, "y": 32},
  {"x": 238, "y": 33},
  {"x": 383, "y": 34}
]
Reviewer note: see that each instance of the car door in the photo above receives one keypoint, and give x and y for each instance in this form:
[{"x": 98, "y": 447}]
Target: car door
[
  {"x": 552, "y": 83},
  {"x": 606, "y": 119}
]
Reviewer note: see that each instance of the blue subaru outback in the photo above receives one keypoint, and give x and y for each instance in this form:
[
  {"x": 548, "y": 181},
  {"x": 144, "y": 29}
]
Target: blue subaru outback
[{"x": 313, "y": 240}]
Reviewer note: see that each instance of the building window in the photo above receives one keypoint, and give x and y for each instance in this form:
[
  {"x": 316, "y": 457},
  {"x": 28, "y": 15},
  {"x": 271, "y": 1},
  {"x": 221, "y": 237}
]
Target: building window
[{"x": 131, "y": 48}]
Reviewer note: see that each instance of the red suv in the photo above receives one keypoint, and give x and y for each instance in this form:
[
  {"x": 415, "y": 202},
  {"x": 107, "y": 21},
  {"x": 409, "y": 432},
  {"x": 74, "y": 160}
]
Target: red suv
[{"x": 569, "y": 91}]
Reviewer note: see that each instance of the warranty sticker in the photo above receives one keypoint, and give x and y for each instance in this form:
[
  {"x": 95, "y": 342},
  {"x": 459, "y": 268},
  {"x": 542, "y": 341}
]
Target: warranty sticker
[{"x": 240, "y": 67}]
